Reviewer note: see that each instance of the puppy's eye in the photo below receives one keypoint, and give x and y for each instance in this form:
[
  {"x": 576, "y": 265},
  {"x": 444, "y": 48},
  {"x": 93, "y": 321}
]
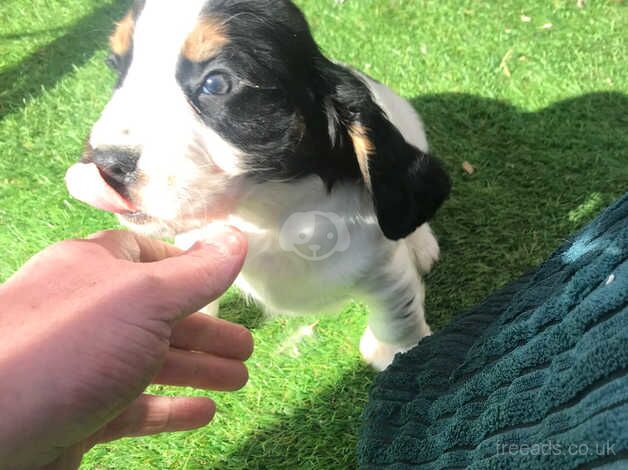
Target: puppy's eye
[{"x": 217, "y": 83}]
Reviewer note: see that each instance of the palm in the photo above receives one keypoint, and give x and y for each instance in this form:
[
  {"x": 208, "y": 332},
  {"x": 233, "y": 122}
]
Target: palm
[{"x": 104, "y": 319}]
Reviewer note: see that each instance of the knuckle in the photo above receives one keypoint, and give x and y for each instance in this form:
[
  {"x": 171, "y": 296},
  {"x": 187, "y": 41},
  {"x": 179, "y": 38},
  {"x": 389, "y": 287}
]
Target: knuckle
[
  {"x": 66, "y": 249},
  {"x": 110, "y": 235},
  {"x": 149, "y": 281},
  {"x": 100, "y": 234}
]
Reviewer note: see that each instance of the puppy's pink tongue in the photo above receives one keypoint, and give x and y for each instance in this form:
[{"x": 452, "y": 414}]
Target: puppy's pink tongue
[{"x": 86, "y": 184}]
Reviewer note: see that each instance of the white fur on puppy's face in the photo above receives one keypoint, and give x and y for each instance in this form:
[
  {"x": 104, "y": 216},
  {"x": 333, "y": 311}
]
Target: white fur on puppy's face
[{"x": 187, "y": 173}]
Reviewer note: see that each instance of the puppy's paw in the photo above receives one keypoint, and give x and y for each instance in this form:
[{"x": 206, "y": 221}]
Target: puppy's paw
[
  {"x": 379, "y": 354},
  {"x": 425, "y": 248}
]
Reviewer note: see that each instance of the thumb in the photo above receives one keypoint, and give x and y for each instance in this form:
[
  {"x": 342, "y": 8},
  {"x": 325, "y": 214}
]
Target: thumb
[{"x": 200, "y": 275}]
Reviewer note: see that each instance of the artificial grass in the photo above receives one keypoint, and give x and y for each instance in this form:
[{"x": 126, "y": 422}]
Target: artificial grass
[{"x": 532, "y": 94}]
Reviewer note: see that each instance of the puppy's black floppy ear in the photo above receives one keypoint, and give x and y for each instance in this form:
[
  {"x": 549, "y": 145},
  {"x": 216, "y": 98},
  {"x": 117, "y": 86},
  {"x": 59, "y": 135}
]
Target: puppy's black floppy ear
[{"x": 407, "y": 185}]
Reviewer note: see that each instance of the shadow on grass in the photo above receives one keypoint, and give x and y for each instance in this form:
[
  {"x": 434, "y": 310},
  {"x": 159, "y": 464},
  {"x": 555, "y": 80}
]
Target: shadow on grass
[
  {"x": 533, "y": 185},
  {"x": 47, "y": 65},
  {"x": 538, "y": 177},
  {"x": 235, "y": 308},
  {"x": 29, "y": 34},
  {"x": 321, "y": 434}
]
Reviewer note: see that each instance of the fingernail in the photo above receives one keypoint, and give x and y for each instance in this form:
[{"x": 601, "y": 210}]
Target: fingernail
[
  {"x": 226, "y": 238},
  {"x": 234, "y": 242}
]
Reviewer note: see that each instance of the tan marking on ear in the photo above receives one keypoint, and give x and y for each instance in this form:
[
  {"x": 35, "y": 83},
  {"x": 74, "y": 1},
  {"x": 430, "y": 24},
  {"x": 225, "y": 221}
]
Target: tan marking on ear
[
  {"x": 207, "y": 37},
  {"x": 364, "y": 148},
  {"x": 122, "y": 38}
]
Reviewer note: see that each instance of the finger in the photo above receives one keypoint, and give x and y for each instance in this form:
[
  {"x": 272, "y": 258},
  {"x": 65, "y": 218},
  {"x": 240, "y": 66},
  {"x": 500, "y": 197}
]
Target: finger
[
  {"x": 133, "y": 247},
  {"x": 211, "y": 335},
  {"x": 199, "y": 370},
  {"x": 191, "y": 279},
  {"x": 200, "y": 275},
  {"x": 151, "y": 414}
]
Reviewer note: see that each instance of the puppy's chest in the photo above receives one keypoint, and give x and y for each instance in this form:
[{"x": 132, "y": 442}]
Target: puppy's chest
[
  {"x": 309, "y": 264},
  {"x": 308, "y": 249},
  {"x": 313, "y": 246}
]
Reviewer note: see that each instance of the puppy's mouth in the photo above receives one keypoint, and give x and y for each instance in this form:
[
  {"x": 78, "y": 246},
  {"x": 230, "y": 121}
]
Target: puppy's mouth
[
  {"x": 86, "y": 183},
  {"x": 138, "y": 218}
]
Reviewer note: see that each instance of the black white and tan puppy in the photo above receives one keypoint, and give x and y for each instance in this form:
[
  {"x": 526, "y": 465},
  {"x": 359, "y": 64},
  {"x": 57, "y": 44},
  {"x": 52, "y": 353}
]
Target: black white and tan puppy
[{"x": 226, "y": 110}]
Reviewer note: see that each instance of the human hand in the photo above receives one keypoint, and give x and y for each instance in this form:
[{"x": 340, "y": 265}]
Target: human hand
[{"x": 87, "y": 325}]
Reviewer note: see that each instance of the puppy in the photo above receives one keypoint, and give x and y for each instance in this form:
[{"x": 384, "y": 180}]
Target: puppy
[{"x": 226, "y": 110}]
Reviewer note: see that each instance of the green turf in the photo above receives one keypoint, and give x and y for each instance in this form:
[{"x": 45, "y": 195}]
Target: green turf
[{"x": 532, "y": 94}]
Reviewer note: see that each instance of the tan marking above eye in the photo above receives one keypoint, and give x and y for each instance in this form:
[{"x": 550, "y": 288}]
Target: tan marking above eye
[
  {"x": 204, "y": 41},
  {"x": 363, "y": 149},
  {"x": 122, "y": 37}
]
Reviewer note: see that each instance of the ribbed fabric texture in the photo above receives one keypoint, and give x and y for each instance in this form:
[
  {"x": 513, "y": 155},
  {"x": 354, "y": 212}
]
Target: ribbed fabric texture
[{"x": 535, "y": 377}]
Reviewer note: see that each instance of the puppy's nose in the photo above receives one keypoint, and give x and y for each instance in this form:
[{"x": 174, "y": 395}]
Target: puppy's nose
[{"x": 117, "y": 165}]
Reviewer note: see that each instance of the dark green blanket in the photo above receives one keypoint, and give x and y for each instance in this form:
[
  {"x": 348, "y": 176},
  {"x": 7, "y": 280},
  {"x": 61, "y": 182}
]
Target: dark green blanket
[{"x": 535, "y": 377}]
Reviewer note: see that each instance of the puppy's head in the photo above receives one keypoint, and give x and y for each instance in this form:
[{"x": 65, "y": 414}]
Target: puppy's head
[{"x": 214, "y": 96}]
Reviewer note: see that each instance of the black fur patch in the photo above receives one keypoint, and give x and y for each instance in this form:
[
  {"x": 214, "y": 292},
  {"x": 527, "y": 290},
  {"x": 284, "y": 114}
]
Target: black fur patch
[
  {"x": 275, "y": 111},
  {"x": 290, "y": 111},
  {"x": 120, "y": 63}
]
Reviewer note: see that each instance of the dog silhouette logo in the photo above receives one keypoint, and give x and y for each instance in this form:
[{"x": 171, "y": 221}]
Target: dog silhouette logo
[{"x": 314, "y": 235}]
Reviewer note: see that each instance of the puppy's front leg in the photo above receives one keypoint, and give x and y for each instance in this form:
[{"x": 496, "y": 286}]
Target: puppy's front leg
[{"x": 395, "y": 295}]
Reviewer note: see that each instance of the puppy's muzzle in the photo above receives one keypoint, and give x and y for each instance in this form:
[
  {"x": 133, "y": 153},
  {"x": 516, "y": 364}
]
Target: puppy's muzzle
[{"x": 117, "y": 165}]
